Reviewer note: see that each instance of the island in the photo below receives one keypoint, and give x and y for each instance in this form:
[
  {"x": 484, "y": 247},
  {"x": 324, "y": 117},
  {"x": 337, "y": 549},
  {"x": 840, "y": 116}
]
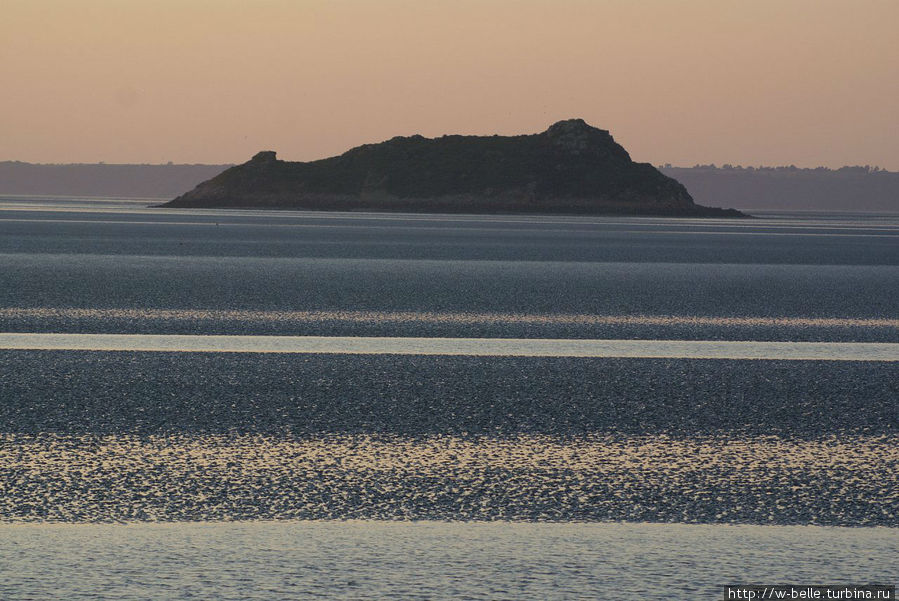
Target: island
[{"x": 571, "y": 168}]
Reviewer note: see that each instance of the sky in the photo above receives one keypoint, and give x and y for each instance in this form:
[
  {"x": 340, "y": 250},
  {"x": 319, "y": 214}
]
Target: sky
[{"x": 751, "y": 82}]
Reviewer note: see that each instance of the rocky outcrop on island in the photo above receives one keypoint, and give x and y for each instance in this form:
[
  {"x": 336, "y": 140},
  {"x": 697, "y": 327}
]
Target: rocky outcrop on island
[{"x": 570, "y": 168}]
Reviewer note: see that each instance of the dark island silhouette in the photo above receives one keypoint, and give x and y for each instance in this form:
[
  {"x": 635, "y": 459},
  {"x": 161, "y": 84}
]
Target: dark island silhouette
[{"x": 570, "y": 168}]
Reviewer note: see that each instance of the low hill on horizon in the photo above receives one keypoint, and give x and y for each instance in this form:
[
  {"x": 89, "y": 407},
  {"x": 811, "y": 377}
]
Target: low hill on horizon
[
  {"x": 569, "y": 168},
  {"x": 855, "y": 188},
  {"x": 851, "y": 188},
  {"x": 102, "y": 180}
]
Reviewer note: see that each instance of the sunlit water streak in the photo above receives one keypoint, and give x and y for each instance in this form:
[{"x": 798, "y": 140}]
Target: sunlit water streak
[
  {"x": 831, "y": 232},
  {"x": 494, "y": 347},
  {"x": 432, "y": 317},
  {"x": 845, "y": 480}
]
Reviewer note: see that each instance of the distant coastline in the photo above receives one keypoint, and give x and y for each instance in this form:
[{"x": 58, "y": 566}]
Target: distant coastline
[
  {"x": 102, "y": 180},
  {"x": 851, "y": 188}
]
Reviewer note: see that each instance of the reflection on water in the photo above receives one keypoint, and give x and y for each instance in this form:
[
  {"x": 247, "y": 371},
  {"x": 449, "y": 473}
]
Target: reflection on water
[
  {"x": 845, "y": 480},
  {"x": 71, "y": 455},
  {"x": 493, "y": 347},
  {"x": 435, "y": 317},
  {"x": 262, "y": 561}
]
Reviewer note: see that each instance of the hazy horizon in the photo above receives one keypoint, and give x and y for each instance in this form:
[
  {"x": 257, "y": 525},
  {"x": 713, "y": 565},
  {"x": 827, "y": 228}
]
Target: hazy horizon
[{"x": 804, "y": 82}]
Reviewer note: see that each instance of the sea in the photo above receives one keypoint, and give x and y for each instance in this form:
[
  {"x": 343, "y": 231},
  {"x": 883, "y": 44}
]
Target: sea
[{"x": 239, "y": 404}]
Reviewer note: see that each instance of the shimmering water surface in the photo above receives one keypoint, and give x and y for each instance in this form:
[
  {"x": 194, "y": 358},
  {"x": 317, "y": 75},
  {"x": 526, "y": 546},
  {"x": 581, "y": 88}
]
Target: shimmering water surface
[
  {"x": 471, "y": 347},
  {"x": 528, "y": 382},
  {"x": 846, "y": 480},
  {"x": 428, "y": 560}
]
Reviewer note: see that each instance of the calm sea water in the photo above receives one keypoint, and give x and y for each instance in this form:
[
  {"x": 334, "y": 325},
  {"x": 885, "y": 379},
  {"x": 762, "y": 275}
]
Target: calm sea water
[
  {"x": 247, "y": 561},
  {"x": 553, "y": 449}
]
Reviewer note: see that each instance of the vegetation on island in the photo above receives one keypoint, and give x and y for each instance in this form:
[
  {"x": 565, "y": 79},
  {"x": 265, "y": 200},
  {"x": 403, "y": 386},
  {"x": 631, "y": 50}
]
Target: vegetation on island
[{"x": 570, "y": 168}]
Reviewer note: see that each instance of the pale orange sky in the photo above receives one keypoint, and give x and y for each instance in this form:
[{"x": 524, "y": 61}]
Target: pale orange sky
[{"x": 808, "y": 82}]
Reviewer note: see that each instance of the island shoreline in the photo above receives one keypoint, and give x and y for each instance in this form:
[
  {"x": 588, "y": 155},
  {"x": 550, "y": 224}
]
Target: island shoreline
[{"x": 571, "y": 168}]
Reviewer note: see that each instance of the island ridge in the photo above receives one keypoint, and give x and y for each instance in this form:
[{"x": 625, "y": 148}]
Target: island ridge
[{"x": 569, "y": 168}]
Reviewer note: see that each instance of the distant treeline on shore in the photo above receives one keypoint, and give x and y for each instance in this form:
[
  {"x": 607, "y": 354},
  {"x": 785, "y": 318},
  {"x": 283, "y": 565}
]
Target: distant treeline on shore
[
  {"x": 854, "y": 188},
  {"x": 848, "y": 169},
  {"x": 100, "y": 179}
]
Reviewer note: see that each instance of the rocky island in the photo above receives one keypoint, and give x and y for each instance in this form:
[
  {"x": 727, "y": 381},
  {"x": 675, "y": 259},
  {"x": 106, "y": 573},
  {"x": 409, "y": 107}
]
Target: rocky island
[{"x": 569, "y": 168}]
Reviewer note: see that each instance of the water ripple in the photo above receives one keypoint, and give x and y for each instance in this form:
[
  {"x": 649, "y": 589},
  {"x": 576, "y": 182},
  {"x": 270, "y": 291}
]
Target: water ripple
[{"x": 847, "y": 480}]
